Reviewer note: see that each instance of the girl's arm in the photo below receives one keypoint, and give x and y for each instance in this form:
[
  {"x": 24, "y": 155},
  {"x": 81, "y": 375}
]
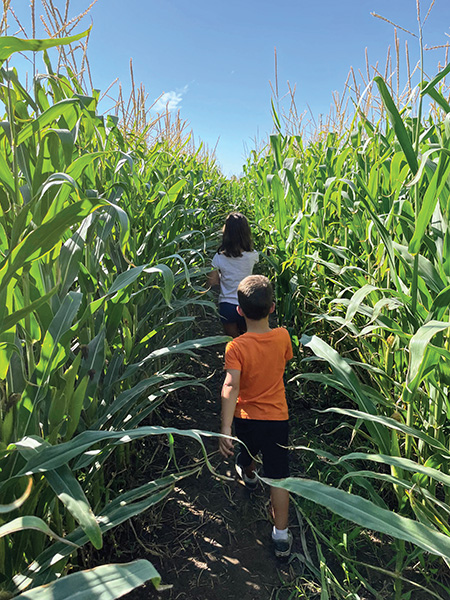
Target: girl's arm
[{"x": 213, "y": 278}]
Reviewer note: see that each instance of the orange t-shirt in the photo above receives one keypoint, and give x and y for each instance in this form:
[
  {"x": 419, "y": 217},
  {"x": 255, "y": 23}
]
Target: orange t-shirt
[{"x": 261, "y": 358}]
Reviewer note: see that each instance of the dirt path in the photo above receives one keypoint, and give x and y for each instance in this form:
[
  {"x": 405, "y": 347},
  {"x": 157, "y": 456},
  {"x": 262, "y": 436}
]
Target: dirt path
[{"x": 213, "y": 536}]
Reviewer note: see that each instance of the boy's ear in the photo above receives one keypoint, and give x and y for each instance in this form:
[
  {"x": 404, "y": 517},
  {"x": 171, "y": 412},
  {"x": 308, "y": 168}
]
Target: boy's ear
[
  {"x": 272, "y": 308},
  {"x": 240, "y": 311}
]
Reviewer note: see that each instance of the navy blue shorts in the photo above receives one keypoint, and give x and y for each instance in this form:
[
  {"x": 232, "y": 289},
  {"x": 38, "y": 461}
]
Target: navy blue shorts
[
  {"x": 228, "y": 314},
  {"x": 269, "y": 437}
]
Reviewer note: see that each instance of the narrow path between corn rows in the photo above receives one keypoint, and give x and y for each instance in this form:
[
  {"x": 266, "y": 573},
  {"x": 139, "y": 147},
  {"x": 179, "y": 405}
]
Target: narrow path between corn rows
[{"x": 211, "y": 538}]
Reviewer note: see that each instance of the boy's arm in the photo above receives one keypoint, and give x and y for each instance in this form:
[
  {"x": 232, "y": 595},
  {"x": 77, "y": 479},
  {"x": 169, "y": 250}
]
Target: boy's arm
[{"x": 230, "y": 393}]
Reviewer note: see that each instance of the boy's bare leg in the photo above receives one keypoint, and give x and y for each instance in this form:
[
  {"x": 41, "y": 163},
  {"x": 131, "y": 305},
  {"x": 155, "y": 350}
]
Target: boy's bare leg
[
  {"x": 280, "y": 507},
  {"x": 231, "y": 329}
]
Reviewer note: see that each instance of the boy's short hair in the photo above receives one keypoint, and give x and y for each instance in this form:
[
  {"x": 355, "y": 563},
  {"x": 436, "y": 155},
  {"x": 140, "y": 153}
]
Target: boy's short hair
[{"x": 255, "y": 295}]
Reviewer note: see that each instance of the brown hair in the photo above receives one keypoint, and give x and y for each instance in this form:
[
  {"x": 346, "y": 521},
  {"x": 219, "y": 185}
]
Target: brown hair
[
  {"x": 236, "y": 237},
  {"x": 255, "y": 296}
]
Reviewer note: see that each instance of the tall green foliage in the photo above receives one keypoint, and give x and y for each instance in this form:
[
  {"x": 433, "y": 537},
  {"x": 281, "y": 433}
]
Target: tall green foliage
[
  {"x": 101, "y": 243},
  {"x": 358, "y": 226},
  {"x": 99, "y": 255}
]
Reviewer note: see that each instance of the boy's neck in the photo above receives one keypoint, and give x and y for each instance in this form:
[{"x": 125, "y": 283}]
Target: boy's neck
[{"x": 260, "y": 326}]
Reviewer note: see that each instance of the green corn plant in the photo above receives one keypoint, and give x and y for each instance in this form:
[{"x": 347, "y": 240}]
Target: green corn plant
[
  {"x": 101, "y": 249},
  {"x": 365, "y": 240}
]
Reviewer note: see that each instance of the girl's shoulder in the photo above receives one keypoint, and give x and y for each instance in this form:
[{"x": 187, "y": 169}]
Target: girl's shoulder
[{"x": 252, "y": 254}]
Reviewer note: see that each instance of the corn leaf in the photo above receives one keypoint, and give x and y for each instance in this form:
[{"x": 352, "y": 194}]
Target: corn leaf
[
  {"x": 6, "y": 508},
  {"x": 123, "y": 507},
  {"x": 349, "y": 380},
  {"x": 182, "y": 348},
  {"x": 399, "y": 462},
  {"x": 67, "y": 488},
  {"x": 393, "y": 424},
  {"x": 398, "y": 125},
  {"x": 367, "y": 514},
  {"x": 11, "y": 320},
  {"x": 60, "y": 109},
  {"x": 56, "y": 456},
  {"x": 10, "y": 44},
  {"x": 434, "y": 189},
  {"x": 417, "y": 351},
  {"x": 439, "y": 99},
  {"x": 43, "y": 239},
  {"x": 105, "y": 582},
  {"x": 435, "y": 80},
  {"x": 29, "y": 522}
]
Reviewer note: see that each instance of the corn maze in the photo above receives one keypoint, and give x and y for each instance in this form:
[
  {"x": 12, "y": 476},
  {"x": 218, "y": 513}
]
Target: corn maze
[{"x": 105, "y": 243}]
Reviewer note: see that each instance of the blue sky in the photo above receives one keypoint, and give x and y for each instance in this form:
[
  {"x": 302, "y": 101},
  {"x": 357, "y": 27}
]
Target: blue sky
[{"x": 214, "y": 60}]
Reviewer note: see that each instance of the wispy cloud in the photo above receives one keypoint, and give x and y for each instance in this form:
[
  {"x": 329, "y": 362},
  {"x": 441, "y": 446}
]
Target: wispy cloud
[{"x": 170, "y": 100}]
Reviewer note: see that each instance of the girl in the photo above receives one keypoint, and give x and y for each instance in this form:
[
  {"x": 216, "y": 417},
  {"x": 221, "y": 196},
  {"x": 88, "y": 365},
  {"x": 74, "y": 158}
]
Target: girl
[{"x": 233, "y": 262}]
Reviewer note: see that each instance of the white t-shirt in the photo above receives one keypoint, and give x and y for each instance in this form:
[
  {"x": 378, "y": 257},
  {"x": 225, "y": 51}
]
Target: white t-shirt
[{"x": 233, "y": 269}]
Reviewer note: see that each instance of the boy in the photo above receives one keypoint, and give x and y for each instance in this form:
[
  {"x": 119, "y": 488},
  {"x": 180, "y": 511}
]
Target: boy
[{"x": 253, "y": 392}]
